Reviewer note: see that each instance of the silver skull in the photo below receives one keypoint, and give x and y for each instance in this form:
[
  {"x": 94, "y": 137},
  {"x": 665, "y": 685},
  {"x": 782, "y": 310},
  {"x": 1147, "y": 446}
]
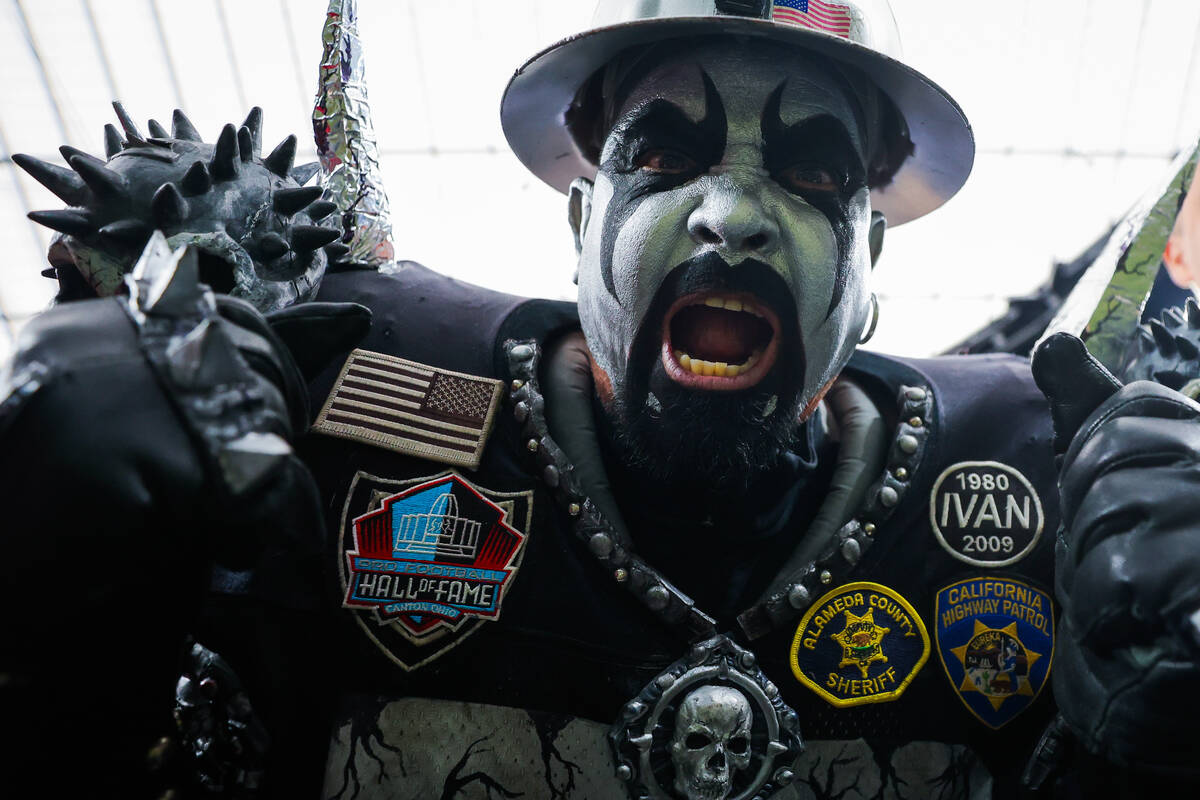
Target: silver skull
[{"x": 711, "y": 742}]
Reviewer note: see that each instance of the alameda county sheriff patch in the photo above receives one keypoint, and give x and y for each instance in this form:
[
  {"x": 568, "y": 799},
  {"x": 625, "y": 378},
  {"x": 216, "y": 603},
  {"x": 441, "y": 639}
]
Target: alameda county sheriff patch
[
  {"x": 860, "y": 643},
  {"x": 995, "y": 637}
]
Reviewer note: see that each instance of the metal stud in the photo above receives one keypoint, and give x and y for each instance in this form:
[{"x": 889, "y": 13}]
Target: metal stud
[
  {"x": 521, "y": 411},
  {"x": 888, "y": 496},
  {"x": 573, "y": 509},
  {"x": 771, "y": 690},
  {"x": 784, "y": 776},
  {"x": 665, "y": 680},
  {"x": 915, "y": 422},
  {"x": 748, "y": 660},
  {"x": 517, "y": 384},
  {"x": 657, "y": 598},
  {"x": 600, "y": 544},
  {"x": 550, "y": 475},
  {"x": 625, "y": 772},
  {"x": 826, "y": 577},
  {"x": 851, "y": 550},
  {"x": 901, "y": 474},
  {"x": 532, "y": 445},
  {"x": 869, "y": 529},
  {"x": 522, "y": 352},
  {"x": 798, "y": 597},
  {"x": 916, "y": 394},
  {"x": 620, "y": 575},
  {"x": 908, "y": 443},
  {"x": 634, "y": 709}
]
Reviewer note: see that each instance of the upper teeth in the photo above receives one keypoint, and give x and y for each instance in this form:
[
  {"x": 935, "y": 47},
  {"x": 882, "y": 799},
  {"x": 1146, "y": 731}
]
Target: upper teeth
[{"x": 731, "y": 304}]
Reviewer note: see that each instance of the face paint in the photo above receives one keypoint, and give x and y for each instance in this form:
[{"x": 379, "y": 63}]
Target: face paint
[{"x": 726, "y": 164}]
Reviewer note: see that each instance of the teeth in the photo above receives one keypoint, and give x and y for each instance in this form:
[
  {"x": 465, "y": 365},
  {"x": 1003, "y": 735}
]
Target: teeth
[
  {"x": 720, "y": 369},
  {"x": 730, "y": 304}
]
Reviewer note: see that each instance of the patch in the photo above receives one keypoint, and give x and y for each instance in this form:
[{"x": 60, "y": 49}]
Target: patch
[
  {"x": 425, "y": 562},
  {"x": 411, "y": 408},
  {"x": 860, "y": 643},
  {"x": 995, "y": 637},
  {"x": 985, "y": 513}
]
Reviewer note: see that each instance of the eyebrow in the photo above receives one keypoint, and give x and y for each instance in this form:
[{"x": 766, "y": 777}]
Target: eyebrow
[
  {"x": 662, "y": 122},
  {"x": 822, "y": 137}
]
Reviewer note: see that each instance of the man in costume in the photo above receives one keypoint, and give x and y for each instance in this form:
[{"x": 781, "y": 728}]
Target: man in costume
[{"x": 682, "y": 542}]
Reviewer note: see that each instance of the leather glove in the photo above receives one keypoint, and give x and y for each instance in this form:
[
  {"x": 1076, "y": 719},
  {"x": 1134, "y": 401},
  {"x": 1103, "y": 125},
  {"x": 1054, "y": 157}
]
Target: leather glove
[{"x": 1127, "y": 562}]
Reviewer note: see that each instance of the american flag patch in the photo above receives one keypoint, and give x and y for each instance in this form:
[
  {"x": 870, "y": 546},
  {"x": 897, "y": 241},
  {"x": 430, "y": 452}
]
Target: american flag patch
[
  {"x": 411, "y": 408},
  {"x": 816, "y": 14}
]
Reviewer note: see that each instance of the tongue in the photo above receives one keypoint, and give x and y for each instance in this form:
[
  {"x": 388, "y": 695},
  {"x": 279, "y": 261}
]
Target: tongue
[{"x": 715, "y": 334}]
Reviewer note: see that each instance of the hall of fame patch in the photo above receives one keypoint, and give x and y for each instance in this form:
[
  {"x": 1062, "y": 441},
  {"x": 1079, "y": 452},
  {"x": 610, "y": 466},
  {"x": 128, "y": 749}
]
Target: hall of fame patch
[
  {"x": 860, "y": 643},
  {"x": 995, "y": 637},
  {"x": 424, "y": 562}
]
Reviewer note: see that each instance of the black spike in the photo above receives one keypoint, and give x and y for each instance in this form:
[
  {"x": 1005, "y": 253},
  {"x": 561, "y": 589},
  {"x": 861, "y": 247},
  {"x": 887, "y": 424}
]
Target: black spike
[
  {"x": 68, "y": 152},
  {"x": 336, "y": 251},
  {"x": 67, "y": 220},
  {"x": 254, "y": 123},
  {"x": 321, "y": 209},
  {"x": 196, "y": 180},
  {"x": 66, "y": 185},
  {"x": 50, "y": 272},
  {"x": 289, "y": 201},
  {"x": 1163, "y": 338},
  {"x": 281, "y": 158},
  {"x": 310, "y": 237},
  {"x": 1192, "y": 312},
  {"x": 100, "y": 179},
  {"x": 1187, "y": 348},
  {"x": 127, "y": 230},
  {"x": 157, "y": 130},
  {"x": 1173, "y": 316},
  {"x": 245, "y": 144},
  {"x": 1145, "y": 339},
  {"x": 132, "y": 135},
  {"x": 272, "y": 245},
  {"x": 1171, "y": 379},
  {"x": 112, "y": 141},
  {"x": 182, "y": 127},
  {"x": 224, "y": 164},
  {"x": 302, "y": 173},
  {"x": 168, "y": 205}
]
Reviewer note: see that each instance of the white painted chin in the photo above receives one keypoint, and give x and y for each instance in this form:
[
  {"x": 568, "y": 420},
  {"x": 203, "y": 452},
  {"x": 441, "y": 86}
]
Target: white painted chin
[{"x": 738, "y": 364}]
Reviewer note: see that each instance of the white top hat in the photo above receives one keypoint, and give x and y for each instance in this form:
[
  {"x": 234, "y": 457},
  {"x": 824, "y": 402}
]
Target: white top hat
[{"x": 860, "y": 33}]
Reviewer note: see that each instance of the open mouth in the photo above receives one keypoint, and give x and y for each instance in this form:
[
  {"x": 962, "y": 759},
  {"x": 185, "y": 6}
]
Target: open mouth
[{"x": 719, "y": 341}]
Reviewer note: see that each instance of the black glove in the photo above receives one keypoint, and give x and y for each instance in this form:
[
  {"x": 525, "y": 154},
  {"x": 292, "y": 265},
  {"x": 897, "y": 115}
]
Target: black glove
[{"x": 1127, "y": 562}]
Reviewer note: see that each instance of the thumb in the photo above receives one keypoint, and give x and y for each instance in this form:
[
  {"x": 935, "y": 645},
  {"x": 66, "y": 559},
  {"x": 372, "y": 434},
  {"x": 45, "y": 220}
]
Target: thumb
[{"x": 1074, "y": 382}]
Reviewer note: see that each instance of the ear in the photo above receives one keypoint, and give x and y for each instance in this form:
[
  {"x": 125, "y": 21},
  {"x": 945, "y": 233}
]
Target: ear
[
  {"x": 875, "y": 236},
  {"x": 579, "y": 209},
  {"x": 1176, "y": 264}
]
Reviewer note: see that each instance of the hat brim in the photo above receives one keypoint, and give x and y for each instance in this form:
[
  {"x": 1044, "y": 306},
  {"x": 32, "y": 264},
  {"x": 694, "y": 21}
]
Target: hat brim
[{"x": 536, "y": 100}]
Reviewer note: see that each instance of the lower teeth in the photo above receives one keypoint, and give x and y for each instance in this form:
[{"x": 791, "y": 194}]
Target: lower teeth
[{"x": 720, "y": 369}]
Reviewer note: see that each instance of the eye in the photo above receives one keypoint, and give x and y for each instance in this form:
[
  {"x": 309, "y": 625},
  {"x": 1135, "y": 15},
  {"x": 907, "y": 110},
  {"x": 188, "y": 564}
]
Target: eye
[
  {"x": 738, "y": 745},
  {"x": 808, "y": 178},
  {"x": 665, "y": 162},
  {"x": 696, "y": 741}
]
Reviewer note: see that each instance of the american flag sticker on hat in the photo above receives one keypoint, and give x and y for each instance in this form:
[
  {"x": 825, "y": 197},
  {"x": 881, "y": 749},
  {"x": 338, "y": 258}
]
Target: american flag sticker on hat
[
  {"x": 411, "y": 408},
  {"x": 815, "y": 14}
]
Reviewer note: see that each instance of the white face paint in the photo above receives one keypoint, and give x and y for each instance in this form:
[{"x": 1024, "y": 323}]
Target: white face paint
[{"x": 750, "y": 153}]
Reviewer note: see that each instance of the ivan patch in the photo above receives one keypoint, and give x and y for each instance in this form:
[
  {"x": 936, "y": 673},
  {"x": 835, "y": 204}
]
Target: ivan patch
[
  {"x": 860, "y": 643},
  {"x": 425, "y": 562},
  {"x": 995, "y": 637},
  {"x": 985, "y": 513}
]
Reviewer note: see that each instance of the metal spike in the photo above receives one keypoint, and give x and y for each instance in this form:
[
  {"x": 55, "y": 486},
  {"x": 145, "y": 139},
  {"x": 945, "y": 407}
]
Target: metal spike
[
  {"x": 168, "y": 205},
  {"x": 157, "y": 130},
  {"x": 1173, "y": 316},
  {"x": 196, "y": 180},
  {"x": 172, "y": 288},
  {"x": 1171, "y": 379},
  {"x": 67, "y": 220},
  {"x": 281, "y": 158},
  {"x": 272, "y": 245},
  {"x": 224, "y": 163},
  {"x": 1192, "y": 311},
  {"x": 1187, "y": 347},
  {"x": 132, "y": 135},
  {"x": 112, "y": 141},
  {"x": 254, "y": 123},
  {"x": 182, "y": 127},
  {"x": 1163, "y": 338},
  {"x": 245, "y": 144},
  {"x": 1145, "y": 339},
  {"x": 302, "y": 173},
  {"x": 250, "y": 460},
  {"x": 126, "y": 230},
  {"x": 66, "y": 185},
  {"x": 310, "y": 237},
  {"x": 321, "y": 209},
  {"x": 289, "y": 201},
  {"x": 100, "y": 179},
  {"x": 69, "y": 152},
  {"x": 220, "y": 363},
  {"x": 336, "y": 251},
  {"x": 50, "y": 272},
  {"x": 153, "y": 261}
]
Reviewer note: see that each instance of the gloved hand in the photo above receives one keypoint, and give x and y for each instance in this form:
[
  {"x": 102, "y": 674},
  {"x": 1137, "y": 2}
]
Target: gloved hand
[{"x": 1127, "y": 562}]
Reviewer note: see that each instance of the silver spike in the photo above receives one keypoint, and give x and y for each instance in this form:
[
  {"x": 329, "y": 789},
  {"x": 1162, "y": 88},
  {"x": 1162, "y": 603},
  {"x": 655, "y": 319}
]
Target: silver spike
[
  {"x": 249, "y": 461},
  {"x": 167, "y": 283}
]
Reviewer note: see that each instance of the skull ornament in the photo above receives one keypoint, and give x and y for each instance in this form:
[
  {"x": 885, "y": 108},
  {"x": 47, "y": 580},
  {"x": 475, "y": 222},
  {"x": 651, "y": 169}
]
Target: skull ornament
[{"x": 711, "y": 742}]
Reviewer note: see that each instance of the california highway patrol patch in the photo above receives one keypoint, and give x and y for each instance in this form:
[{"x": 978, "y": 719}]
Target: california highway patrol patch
[
  {"x": 860, "y": 643},
  {"x": 995, "y": 637},
  {"x": 424, "y": 562}
]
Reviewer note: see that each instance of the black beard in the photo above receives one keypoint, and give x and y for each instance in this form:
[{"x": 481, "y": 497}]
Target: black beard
[{"x": 682, "y": 439}]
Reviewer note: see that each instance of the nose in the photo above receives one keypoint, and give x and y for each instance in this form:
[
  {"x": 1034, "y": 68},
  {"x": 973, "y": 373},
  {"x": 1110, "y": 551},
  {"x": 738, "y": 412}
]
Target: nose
[{"x": 734, "y": 219}]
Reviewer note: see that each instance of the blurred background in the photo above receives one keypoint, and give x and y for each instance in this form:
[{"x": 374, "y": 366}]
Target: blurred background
[{"x": 1077, "y": 105}]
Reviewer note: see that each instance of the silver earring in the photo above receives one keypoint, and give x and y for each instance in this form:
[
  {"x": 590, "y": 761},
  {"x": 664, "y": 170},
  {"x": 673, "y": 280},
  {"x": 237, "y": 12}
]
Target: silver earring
[{"x": 866, "y": 337}]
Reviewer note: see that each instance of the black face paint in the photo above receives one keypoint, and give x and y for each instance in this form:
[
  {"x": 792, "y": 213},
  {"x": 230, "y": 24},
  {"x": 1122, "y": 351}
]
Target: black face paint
[
  {"x": 821, "y": 142},
  {"x": 657, "y": 125}
]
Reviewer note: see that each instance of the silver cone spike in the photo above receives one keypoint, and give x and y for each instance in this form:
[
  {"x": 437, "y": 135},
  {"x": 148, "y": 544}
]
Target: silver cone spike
[
  {"x": 220, "y": 363},
  {"x": 167, "y": 283},
  {"x": 251, "y": 460}
]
